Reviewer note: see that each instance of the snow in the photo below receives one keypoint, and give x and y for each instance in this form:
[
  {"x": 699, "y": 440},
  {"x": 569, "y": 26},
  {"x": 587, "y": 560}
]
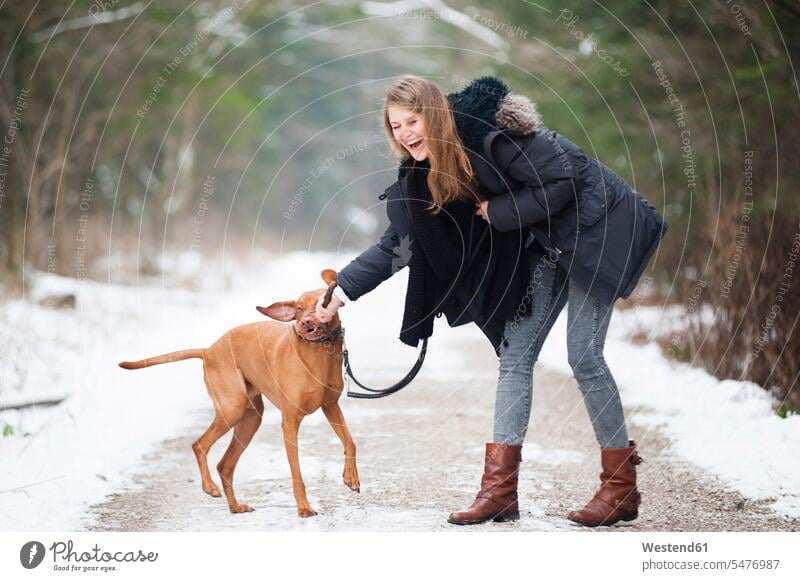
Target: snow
[
  {"x": 727, "y": 427},
  {"x": 62, "y": 459}
]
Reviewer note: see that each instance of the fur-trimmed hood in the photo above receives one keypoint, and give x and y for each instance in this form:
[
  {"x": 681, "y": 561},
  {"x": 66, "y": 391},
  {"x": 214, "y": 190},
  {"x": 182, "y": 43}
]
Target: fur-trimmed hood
[{"x": 486, "y": 104}]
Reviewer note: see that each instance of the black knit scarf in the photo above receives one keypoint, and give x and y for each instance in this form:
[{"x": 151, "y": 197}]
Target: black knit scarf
[{"x": 443, "y": 246}]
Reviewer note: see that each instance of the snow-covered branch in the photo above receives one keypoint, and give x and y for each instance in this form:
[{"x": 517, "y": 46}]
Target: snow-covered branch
[
  {"x": 443, "y": 12},
  {"x": 92, "y": 19}
]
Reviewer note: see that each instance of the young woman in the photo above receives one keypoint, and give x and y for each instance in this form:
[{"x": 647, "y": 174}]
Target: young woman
[{"x": 508, "y": 222}]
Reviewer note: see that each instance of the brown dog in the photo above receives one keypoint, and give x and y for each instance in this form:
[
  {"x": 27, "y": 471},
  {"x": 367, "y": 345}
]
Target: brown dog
[{"x": 297, "y": 367}]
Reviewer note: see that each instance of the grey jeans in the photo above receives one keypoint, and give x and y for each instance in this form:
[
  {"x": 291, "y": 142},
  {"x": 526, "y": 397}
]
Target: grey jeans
[{"x": 587, "y": 324}]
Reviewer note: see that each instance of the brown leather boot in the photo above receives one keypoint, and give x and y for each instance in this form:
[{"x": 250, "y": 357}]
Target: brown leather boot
[
  {"x": 497, "y": 499},
  {"x": 617, "y": 499}
]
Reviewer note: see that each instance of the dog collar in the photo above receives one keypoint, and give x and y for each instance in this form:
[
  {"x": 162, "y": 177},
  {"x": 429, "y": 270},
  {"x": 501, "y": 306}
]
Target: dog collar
[{"x": 325, "y": 338}]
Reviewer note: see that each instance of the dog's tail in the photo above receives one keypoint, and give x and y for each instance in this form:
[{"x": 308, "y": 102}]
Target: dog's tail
[{"x": 166, "y": 358}]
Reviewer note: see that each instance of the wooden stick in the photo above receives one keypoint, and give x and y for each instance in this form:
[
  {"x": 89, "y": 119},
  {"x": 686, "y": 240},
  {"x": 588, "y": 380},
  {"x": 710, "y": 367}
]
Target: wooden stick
[{"x": 328, "y": 295}]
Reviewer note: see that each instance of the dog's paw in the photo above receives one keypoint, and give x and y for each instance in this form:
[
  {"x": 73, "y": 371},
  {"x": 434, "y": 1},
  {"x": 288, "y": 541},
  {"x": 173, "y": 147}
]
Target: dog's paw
[
  {"x": 240, "y": 508},
  {"x": 306, "y": 512},
  {"x": 212, "y": 490},
  {"x": 351, "y": 481}
]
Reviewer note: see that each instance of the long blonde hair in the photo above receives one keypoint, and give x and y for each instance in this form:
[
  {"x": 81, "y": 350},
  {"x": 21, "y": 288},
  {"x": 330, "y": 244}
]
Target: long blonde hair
[{"x": 451, "y": 176}]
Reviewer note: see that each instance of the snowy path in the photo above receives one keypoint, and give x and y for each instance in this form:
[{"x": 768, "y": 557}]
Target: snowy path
[
  {"x": 420, "y": 454},
  {"x": 116, "y": 454}
]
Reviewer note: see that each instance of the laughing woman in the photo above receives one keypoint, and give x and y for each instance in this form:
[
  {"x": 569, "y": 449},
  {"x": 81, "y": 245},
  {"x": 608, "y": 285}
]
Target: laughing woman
[{"x": 510, "y": 221}]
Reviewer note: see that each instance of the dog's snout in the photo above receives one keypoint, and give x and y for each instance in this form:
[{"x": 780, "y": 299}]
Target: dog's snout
[{"x": 308, "y": 321}]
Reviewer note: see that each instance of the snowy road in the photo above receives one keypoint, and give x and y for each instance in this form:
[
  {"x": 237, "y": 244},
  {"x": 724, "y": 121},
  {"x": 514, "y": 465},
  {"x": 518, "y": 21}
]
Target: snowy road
[
  {"x": 420, "y": 454},
  {"x": 116, "y": 455}
]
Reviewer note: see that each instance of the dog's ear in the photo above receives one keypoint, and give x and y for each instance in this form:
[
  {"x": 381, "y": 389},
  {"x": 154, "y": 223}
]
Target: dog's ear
[
  {"x": 280, "y": 311},
  {"x": 329, "y": 276}
]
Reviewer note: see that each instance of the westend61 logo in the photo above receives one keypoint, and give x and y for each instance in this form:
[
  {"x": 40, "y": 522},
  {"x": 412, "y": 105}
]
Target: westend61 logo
[{"x": 66, "y": 558}]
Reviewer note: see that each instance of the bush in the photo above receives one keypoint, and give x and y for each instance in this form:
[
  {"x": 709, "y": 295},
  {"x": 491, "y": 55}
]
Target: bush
[{"x": 755, "y": 273}]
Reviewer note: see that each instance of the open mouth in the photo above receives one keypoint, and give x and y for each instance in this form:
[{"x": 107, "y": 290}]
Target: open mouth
[
  {"x": 415, "y": 145},
  {"x": 315, "y": 333}
]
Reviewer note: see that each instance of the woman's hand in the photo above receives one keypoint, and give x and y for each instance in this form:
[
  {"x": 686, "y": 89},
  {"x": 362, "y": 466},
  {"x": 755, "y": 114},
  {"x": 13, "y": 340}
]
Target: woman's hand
[
  {"x": 325, "y": 314},
  {"x": 482, "y": 210}
]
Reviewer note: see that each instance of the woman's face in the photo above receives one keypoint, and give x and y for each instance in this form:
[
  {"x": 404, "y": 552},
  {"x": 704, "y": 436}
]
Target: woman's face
[{"x": 409, "y": 130}]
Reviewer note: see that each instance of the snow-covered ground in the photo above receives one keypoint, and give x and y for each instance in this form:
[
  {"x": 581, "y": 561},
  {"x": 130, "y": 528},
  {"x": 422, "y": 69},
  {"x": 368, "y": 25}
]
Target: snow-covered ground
[
  {"x": 60, "y": 460},
  {"x": 726, "y": 427}
]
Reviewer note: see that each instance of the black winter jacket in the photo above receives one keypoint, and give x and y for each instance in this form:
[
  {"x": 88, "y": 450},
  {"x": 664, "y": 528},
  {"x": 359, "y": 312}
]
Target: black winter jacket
[{"x": 578, "y": 212}]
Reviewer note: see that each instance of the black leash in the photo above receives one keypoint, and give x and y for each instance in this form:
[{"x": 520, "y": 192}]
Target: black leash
[{"x": 374, "y": 393}]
